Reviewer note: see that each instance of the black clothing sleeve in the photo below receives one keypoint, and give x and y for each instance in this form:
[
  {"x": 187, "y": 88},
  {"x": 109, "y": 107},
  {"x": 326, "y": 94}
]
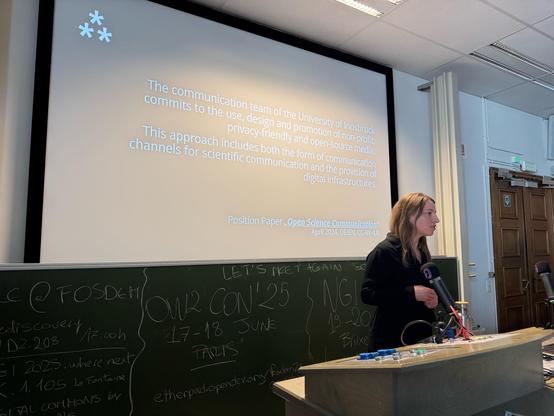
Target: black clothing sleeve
[
  {"x": 379, "y": 287},
  {"x": 389, "y": 285}
]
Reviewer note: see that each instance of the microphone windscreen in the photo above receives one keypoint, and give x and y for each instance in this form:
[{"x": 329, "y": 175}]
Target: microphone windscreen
[
  {"x": 542, "y": 267},
  {"x": 430, "y": 271}
]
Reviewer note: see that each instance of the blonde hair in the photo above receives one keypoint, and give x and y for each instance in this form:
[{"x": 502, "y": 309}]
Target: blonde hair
[{"x": 400, "y": 225}]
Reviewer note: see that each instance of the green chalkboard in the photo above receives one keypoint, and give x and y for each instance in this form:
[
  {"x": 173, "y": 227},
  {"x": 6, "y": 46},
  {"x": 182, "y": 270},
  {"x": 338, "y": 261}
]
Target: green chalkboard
[{"x": 171, "y": 340}]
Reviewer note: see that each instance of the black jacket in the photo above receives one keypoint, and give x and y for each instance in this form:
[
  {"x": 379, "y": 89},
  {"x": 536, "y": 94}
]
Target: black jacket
[{"x": 389, "y": 285}]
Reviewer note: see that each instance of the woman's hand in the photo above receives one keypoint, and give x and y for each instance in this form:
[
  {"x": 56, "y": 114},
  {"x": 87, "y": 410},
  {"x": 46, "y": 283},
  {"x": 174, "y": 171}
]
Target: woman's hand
[{"x": 426, "y": 295}]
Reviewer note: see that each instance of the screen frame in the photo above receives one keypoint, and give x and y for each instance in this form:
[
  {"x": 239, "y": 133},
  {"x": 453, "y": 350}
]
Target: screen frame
[{"x": 37, "y": 161}]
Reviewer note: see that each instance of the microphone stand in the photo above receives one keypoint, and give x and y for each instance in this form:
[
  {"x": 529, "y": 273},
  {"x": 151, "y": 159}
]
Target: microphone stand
[
  {"x": 464, "y": 331},
  {"x": 550, "y": 306},
  {"x": 439, "y": 328}
]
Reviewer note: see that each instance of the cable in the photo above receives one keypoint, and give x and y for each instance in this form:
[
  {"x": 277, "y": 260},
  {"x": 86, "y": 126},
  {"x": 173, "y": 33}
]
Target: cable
[
  {"x": 465, "y": 332},
  {"x": 417, "y": 321},
  {"x": 446, "y": 327}
]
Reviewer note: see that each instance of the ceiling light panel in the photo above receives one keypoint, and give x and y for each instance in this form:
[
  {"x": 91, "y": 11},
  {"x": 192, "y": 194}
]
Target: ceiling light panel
[
  {"x": 547, "y": 81},
  {"x": 501, "y": 66},
  {"x": 516, "y": 64},
  {"x": 544, "y": 84},
  {"x": 533, "y": 43},
  {"x": 523, "y": 58},
  {"x": 358, "y": 5}
]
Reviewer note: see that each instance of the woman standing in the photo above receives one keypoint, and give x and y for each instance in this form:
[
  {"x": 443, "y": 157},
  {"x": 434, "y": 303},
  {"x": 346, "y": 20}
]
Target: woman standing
[{"x": 392, "y": 279}]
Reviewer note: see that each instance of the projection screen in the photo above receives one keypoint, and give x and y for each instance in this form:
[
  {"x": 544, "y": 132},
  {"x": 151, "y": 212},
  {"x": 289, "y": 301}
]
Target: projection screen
[{"x": 174, "y": 137}]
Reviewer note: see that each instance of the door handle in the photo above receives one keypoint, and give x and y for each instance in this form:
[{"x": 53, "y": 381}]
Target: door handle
[{"x": 525, "y": 284}]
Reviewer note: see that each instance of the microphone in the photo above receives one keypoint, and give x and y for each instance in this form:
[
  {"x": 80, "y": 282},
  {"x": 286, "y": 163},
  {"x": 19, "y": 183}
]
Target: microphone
[
  {"x": 543, "y": 270},
  {"x": 431, "y": 273}
]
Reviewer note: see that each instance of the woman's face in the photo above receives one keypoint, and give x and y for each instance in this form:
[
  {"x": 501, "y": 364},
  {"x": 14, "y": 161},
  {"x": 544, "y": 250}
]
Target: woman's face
[{"x": 426, "y": 223}]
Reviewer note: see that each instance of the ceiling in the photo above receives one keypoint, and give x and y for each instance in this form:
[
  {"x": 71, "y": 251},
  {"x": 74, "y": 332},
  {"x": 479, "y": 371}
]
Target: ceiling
[{"x": 426, "y": 38}]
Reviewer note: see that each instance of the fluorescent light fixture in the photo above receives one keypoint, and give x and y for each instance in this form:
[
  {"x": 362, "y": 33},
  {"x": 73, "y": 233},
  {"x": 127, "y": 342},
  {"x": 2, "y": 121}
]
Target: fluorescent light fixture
[
  {"x": 500, "y": 66},
  {"x": 358, "y": 5},
  {"x": 546, "y": 81},
  {"x": 509, "y": 60},
  {"x": 544, "y": 84},
  {"x": 522, "y": 58},
  {"x": 397, "y": 2}
]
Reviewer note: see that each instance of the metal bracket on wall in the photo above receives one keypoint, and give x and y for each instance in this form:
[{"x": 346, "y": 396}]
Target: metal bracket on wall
[
  {"x": 547, "y": 182},
  {"x": 518, "y": 182},
  {"x": 524, "y": 183},
  {"x": 504, "y": 174},
  {"x": 531, "y": 184}
]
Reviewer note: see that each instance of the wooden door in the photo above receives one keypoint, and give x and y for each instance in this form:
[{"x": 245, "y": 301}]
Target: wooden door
[
  {"x": 537, "y": 205},
  {"x": 510, "y": 263}
]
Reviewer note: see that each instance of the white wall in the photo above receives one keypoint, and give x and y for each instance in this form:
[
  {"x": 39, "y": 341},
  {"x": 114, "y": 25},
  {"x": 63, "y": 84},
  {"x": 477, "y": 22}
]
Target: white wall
[
  {"x": 511, "y": 132},
  {"x": 479, "y": 289},
  {"x": 17, "y": 63},
  {"x": 414, "y": 145}
]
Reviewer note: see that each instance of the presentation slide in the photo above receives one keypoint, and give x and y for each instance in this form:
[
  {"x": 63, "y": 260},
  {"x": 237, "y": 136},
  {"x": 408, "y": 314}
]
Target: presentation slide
[{"x": 172, "y": 137}]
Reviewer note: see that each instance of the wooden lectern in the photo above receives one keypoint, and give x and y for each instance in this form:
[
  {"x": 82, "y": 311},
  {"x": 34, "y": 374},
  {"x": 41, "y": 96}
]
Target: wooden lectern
[{"x": 460, "y": 378}]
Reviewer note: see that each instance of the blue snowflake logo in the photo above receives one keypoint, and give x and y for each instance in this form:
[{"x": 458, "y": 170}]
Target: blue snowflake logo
[
  {"x": 104, "y": 35},
  {"x": 87, "y": 29},
  {"x": 96, "y": 18}
]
